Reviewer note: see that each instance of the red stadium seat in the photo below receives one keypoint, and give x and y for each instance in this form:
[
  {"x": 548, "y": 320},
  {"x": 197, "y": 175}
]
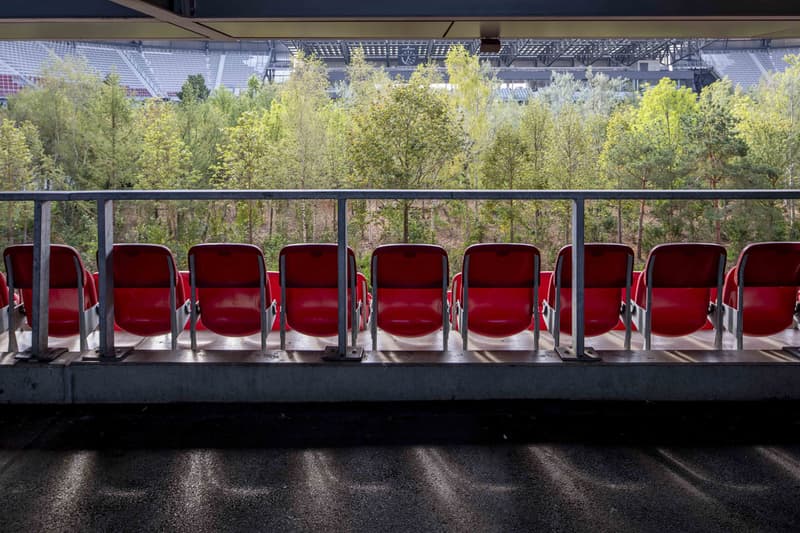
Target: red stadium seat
[
  {"x": 497, "y": 294},
  {"x": 309, "y": 291},
  {"x": 760, "y": 291},
  {"x": 72, "y": 300},
  {"x": 230, "y": 283},
  {"x": 671, "y": 297},
  {"x": 608, "y": 270},
  {"x": 149, "y": 295},
  {"x": 409, "y": 291}
]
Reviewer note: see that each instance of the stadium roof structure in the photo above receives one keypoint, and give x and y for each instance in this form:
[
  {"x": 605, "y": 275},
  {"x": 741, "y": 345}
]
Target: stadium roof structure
[
  {"x": 545, "y": 52},
  {"x": 410, "y": 19}
]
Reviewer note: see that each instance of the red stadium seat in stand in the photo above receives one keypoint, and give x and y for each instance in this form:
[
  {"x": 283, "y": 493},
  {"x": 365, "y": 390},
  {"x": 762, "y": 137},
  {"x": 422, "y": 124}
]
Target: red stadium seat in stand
[
  {"x": 409, "y": 291},
  {"x": 497, "y": 294},
  {"x": 149, "y": 295},
  {"x": 310, "y": 291},
  {"x": 72, "y": 300},
  {"x": 760, "y": 291},
  {"x": 231, "y": 285},
  {"x": 671, "y": 297},
  {"x": 608, "y": 270}
]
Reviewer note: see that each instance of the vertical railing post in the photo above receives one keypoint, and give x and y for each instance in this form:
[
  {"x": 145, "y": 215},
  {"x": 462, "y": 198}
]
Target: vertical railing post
[
  {"x": 105, "y": 266},
  {"x": 578, "y": 340},
  {"x": 341, "y": 255},
  {"x": 341, "y": 352},
  {"x": 41, "y": 278}
]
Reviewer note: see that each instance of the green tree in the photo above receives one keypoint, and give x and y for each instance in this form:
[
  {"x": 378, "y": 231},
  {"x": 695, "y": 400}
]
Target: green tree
[
  {"x": 246, "y": 161},
  {"x": 116, "y": 138},
  {"x": 717, "y": 149},
  {"x": 506, "y": 165},
  {"x": 404, "y": 141},
  {"x": 164, "y": 163},
  {"x": 16, "y": 169},
  {"x": 194, "y": 88},
  {"x": 770, "y": 124},
  {"x": 634, "y": 159}
]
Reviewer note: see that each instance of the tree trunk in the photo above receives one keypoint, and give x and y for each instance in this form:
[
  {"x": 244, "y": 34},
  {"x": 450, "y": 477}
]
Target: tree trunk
[
  {"x": 619, "y": 221},
  {"x": 271, "y": 215},
  {"x": 511, "y": 220},
  {"x": 250, "y": 221},
  {"x": 640, "y": 231},
  {"x": 406, "y": 206}
]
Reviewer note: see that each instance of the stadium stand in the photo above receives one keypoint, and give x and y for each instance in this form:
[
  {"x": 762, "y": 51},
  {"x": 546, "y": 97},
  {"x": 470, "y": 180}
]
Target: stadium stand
[
  {"x": 106, "y": 60},
  {"x": 746, "y": 67},
  {"x": 238, "y": 68},
  {"x": 171, "y": 68},
  {"x": 159, "y": 69}
]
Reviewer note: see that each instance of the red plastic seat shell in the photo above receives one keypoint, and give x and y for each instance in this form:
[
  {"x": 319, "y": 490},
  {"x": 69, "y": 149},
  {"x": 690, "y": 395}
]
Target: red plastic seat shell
[
  {"x": 141, "y": 288},
  {"x": 63, "y": 317},
  {"x": 501, "y": 283},
  {"x": 771, "y": 282},
  {"x": 683, "y": 278},
  {"x": 410, "y": 281},
  {"x": 605, "y": 275},
  {"x": 228, "y": 287},
  {"x": 312, "y": 289}
]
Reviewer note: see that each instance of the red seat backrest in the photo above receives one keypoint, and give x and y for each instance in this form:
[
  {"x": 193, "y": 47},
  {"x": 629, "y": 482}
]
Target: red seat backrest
[
  {"x": 771, "y": 280},
  {"x": 63, "y": 318},
  {"x": 310, "y": 273},
  {"x": 500, "y": 281},
  {"x": 683, "y": 278},
  {"x": 228, "y": 278},
  {"x": 605, "y": 274},
  {"x": 141, "y": 288},
  {"x": 410, "y": 280}
]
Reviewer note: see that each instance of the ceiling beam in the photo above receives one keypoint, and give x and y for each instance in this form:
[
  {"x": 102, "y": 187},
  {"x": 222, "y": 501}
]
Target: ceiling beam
[{"x": 168, "y": 16}]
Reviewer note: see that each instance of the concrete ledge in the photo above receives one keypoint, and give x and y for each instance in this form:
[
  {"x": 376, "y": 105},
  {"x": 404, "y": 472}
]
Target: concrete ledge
[{"x": 165, "y": 377}]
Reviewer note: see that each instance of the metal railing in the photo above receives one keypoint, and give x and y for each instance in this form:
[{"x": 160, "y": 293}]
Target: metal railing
[{"x": 105, "y": 232}]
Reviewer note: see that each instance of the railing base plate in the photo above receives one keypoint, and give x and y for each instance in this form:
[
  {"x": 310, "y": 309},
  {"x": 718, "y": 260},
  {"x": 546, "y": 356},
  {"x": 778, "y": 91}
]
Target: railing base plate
[
  {"x": 118, "y": 355},
  {"x": 46, "y": 357},
  {"x": 353, "y": 354},
  {"x": 567, "y": 354},
  {"x": 792, "y": 350}
]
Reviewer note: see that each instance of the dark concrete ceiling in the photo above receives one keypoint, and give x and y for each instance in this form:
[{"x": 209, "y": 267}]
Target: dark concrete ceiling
[{"x": 381, "y": 19}]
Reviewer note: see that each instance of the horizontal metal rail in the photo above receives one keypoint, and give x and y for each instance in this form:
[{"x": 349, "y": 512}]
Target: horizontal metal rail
[
  {"x": 403, "y": 194},
  {"x": 42, "y": 202}
]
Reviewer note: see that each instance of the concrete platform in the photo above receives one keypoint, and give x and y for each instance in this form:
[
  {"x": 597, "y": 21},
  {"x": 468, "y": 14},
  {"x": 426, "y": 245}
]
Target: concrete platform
[{"x": 233, "y": 370}]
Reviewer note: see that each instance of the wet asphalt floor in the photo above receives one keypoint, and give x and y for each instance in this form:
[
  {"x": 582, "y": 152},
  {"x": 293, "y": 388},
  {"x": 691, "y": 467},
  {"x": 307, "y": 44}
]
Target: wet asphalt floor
[{"x": 401, "y": 467}]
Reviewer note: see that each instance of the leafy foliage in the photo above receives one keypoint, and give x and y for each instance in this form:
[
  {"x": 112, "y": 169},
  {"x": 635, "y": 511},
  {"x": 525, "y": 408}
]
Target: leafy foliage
[{"x": 74, "y": 130}]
